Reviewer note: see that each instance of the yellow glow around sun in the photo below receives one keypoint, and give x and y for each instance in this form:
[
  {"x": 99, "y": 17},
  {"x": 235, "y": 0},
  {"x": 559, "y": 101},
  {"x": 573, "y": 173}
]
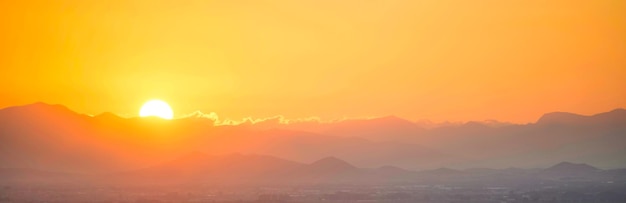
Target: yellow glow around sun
[{"x": 156, "y": 108}]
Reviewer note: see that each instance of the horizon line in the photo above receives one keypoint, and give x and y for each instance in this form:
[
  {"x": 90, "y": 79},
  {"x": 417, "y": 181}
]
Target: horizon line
[{"x": 286, "y": 121}]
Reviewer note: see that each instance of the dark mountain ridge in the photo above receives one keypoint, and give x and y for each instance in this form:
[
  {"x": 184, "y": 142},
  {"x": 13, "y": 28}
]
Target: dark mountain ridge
[
  {"x": 52, "y": 137},
  {"x": 616, "y": 116}
]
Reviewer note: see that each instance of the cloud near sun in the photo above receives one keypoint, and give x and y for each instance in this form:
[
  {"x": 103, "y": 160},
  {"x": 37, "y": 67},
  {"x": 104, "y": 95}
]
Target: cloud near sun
[{"x": 274, "y": 120}]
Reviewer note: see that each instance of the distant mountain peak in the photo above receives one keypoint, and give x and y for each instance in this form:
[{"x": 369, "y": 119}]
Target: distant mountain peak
[
  {"x": 332, "y": 162},
  {"x": 572, "y": 167},
  {"x": 560, "y": 117},
  {"x": 42, "y": 105},
  {"x": 613, "y": 116},
  {"x": 38, "y": 109}
]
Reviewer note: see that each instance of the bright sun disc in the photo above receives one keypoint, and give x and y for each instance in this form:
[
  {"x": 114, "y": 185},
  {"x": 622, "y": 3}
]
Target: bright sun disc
[{"x": 156, "y": 108}]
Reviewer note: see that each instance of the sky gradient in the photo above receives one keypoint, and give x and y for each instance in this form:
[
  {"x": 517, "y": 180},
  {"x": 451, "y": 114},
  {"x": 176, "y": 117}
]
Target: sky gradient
[{"x": 438, "y": 60}]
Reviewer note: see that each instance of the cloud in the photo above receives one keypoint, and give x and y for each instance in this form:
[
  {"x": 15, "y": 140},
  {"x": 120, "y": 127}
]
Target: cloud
[
  {"x": 271, "y": 122},
  {"x": 274, "y": 120},
  {"x": 278, "y": 121},
  {"x": 198, "y": 114}
]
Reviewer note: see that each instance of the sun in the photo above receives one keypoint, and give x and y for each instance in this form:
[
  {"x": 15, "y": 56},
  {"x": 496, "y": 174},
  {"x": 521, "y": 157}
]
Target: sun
[{"x": 156, "y": 108}]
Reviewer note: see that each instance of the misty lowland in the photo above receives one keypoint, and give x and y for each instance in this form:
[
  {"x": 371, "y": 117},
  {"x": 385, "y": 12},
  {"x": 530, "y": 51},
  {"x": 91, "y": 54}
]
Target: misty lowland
[{"x": 51, "y": 154}]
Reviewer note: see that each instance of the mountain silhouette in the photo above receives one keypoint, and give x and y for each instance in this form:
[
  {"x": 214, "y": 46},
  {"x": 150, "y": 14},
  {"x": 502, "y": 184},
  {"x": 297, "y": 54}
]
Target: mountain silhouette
[
  {"x": 376, "y": 129},
  {"x": 616, "y": 116},
  {"x": 567, "y": 167},
  {"x": 52, "y": 137},
  {"x": 246, "y": 169},
  {"x": 39, "y": 109},
  {"x": 200, "y": 169},
  {"x": 572, "y": 170},
  {"x": 331, "y": 165},
  {"x": 561, "y": 118}
]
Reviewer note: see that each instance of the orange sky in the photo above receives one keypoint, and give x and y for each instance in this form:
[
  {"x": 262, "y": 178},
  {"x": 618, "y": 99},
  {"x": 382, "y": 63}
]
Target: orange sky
[{"x": 433, "y": 59}]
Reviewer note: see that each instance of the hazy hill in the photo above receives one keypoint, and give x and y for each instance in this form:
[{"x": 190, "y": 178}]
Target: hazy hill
[
  {"x": 199, "y": 169},
  {"x": 388, "y": 128},
  {"x": 52, "y": 137},
  {"x": 596, "y": 139},
  {"x": 331, "y": 165},
  {"x": 565, "y": 169},
  {"x": 614, "y": 117}
]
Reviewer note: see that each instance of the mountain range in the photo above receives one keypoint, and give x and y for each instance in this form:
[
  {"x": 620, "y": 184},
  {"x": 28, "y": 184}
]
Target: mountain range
[
  {"x": 54, "y": 138},
  {"x": 199, "y": 169}
]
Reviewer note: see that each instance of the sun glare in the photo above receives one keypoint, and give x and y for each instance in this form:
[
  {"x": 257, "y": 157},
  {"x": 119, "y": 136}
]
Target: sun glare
[{"x": 156, "y": 108}]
